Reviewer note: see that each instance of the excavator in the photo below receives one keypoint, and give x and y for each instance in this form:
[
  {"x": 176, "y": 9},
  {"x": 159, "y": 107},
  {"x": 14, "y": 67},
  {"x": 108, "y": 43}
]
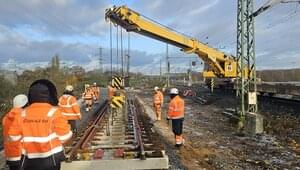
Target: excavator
[{"x": 217, "y": 63}]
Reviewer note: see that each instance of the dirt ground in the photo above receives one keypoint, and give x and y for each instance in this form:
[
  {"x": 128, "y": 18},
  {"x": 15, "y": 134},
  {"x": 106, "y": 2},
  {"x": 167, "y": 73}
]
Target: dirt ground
[{"x": 212, "y": 141}]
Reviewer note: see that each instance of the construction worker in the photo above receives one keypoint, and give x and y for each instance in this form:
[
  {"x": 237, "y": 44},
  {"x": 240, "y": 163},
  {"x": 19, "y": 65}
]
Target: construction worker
[
  {"x": 12, "y": 149},
  {"x": 176, "y": 114},
  {"x": 158, "y": 100},
  {"x": 69, "y": 107},
  {"x": 111, "y": 92},
  {"x": 88, "y": 96},
  {"x": 42, "y": 129},
  {"x": 96, "y": 91}
]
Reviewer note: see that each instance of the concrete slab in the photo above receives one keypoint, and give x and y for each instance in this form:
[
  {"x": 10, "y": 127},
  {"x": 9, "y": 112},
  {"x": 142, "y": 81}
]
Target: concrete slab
[{"x": 117, "y": 164}]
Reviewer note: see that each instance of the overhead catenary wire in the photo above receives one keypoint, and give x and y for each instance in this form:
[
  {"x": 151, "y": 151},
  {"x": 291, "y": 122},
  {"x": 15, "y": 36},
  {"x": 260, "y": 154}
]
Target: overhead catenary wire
[
  {"x": 269, "y": 4},
  {"x": 122, "y": 57},
  {"x": 117, "y": 48},
  {"x": 111, "y": 51},
  {"x": 286, "y": 18},
  {"x": 128, "y": 57}
]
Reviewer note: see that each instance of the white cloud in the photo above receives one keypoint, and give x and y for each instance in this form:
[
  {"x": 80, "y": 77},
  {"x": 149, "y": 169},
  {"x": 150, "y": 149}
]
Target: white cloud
[
  {"x": 277, "y": 36},
  {"x": 206, "y": 6}
]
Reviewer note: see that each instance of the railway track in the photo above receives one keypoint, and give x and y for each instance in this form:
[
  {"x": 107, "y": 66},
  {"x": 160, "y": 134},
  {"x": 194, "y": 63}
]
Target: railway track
[
  {"x": 265, "y": 98},
  {"x": 79, "y": 143},
  {"x": 117, "y": 139}
]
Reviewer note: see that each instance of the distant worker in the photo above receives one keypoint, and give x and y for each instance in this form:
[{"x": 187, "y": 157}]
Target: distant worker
[
  {"x": 42, "y": 129},
  {"x": 88, "y": 96},
  {"x": 110, "y": 92},
  {"x": 176, "y": 114},
  {"x": 158, "y": 100},
  {"x": 69, "y": 107},
  {"x": 96, "y": 91},
  {"x": 12, "y": 149}
]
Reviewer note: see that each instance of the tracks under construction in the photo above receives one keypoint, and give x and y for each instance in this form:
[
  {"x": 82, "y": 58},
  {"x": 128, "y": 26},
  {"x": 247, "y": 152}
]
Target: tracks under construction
[{"x": 120, "y": 138}]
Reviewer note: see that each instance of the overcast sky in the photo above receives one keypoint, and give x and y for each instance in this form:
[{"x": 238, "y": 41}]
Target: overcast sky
[{"x": 32, "y": 31}]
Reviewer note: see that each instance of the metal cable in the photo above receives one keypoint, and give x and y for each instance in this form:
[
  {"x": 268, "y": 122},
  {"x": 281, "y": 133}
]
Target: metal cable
[
  {"x": 111, "y": 60},
  {"x": 117, "y": 48},
  {"x": 122, "y": 57},
  {"x": 128, "y": 62}
]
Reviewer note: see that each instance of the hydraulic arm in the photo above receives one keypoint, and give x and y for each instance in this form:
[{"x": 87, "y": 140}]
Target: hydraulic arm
[{"x": 220, "y": 64}]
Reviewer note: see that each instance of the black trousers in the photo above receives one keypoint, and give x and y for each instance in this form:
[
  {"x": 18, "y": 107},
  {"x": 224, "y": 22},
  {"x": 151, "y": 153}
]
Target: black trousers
[
  {"x": 50, "y": 163},
  {"x": 14, "y": 165},
  {"x": 73, "y": 125},
  {"x": 57, "y": 167},
  {"x": 177, "y": 126}
]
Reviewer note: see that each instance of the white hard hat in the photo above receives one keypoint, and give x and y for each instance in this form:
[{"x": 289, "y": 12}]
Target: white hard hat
[
  {"x": 87, "y": 85},
  {"x": 95, "y": 83},
  {"x": 156, "y": 88},
  {"x": 174, "y": 91},
  {"x": 20, "y": 100},
  {"x": 69, "y": 88}
]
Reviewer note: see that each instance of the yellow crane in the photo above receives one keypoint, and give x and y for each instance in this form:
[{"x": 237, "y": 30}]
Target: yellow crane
[{"x": 220, "y": 64}]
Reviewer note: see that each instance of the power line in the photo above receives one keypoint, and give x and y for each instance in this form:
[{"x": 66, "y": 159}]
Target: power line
[
  {"x": 122, "y": 57},
  {"x": 128, "y": 60},
  {"x": 269, "y": 4},
  {"x": 111, "y": 60},
  {"x": 285, "y": 18},
  {"x": 117, "y": 48}
]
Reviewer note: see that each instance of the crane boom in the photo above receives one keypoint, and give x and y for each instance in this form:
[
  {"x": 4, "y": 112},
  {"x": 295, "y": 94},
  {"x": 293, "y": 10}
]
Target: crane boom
[{"x": 220, "y": 64}]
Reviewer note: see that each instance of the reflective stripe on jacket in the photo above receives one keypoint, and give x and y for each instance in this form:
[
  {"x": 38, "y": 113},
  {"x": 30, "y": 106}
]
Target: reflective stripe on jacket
[
  {"x": 12, "y": 149},
  {"x": 42, "y": 129},
  {"x": 96, "y": 90},
  {"x": 176, "y": 108},
  {"x": 69, "y": 107},
  {"x": 88, "y": 95}
]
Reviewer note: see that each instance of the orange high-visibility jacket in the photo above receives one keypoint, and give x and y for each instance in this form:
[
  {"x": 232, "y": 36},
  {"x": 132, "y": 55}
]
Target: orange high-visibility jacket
[
  {"x": 176, "y": 108},
  {"x": 12, "y": 149},
  {"x": 111, "y": 92},
  {"x": 158, "y": 98},
  {"x": 42, "y": 129},
  {"x": 69, "y": 107},
  {"x": 96, "y": 90},
  {"x": 88, "y": 95}
]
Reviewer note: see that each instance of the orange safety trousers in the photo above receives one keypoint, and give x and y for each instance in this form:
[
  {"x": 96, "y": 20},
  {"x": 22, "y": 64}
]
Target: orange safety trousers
[
  {"x": 158, "y": 111},
  {"x": 157, "y": 102},
  {"x": 179, "y": 139}
]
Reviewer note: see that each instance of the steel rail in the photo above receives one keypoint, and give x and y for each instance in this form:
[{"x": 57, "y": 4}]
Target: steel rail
[
  {"x": 137, "y": 130},
  {"x": 89, "y": 133}
]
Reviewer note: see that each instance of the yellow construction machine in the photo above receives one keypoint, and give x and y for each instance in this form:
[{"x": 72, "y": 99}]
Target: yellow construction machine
[{"x": 220, "y": 65}]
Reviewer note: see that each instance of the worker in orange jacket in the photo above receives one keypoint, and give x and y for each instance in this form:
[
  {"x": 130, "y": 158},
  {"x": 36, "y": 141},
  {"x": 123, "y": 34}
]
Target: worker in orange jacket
[
  {"x": 110, "y": 92},
  {"x": 176, "y": 114},
  {"x": 42, "y": 129},
  {"x": 158, "y": 100},
  {"x": 88, "y": 96},
  {"x": 69, "y": 107},
  {"x": 12, "y": 149},
  {"x": 96, "y": 91}
]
